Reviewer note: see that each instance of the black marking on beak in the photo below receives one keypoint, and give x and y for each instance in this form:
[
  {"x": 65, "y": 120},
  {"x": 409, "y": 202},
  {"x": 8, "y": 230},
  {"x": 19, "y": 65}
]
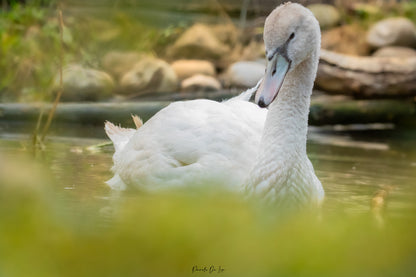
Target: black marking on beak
[{"x": 261, "y": 103}]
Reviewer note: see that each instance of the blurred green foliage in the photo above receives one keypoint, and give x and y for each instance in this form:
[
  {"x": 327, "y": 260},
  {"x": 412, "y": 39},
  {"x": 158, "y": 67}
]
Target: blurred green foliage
[
  {"x": 366, "y": 14},
  {"x": 30, "y": 43},
  {"x": 168, "y": 234},
  {"x": 27, "y": 38}
]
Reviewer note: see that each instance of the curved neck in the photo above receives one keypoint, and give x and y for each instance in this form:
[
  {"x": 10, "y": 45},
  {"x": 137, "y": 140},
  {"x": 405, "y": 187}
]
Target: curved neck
[
  {"x": 287, "y": 120},
  {"x": 283, "y": 143},
  {"x": 283, "y": 172}
]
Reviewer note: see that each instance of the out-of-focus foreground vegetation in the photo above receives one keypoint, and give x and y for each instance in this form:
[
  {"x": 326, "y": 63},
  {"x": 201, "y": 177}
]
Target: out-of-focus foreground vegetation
[{"x": 167, "y": 235}]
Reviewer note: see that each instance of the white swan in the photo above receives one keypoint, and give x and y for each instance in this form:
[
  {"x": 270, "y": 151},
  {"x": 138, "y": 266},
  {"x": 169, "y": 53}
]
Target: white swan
[{"x": 232, "y": 143}]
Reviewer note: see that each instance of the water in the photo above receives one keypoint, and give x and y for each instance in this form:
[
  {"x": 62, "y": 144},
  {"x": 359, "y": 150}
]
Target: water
[
  {"x": 354, "y": 164},
  {"x": 75, "y": 225}
]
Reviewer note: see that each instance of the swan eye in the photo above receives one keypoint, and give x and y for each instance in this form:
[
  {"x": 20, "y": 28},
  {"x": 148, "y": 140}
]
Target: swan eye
[{"x": 292, "y": 35}]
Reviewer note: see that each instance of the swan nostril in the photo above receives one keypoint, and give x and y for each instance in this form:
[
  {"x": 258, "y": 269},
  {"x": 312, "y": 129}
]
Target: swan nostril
[{"x": 261, "y": 103}]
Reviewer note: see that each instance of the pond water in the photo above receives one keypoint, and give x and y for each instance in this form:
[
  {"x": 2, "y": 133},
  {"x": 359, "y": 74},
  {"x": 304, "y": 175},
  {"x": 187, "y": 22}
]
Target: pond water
[
  {"x": 81, "y": 228},
  {"x": 354, "y": 163}
]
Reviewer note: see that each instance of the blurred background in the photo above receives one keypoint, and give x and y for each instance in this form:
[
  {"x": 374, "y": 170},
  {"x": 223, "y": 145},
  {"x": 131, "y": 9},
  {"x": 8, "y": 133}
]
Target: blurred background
[
  {"x": 105, "y": 60},
  {"x": 186, "y": 46}
]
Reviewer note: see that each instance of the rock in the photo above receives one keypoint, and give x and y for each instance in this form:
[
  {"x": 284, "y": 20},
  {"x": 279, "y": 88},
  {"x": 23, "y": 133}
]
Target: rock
[
  {"x": 347, "y": 39},
  {"x": 395, "y": 51},
  {"x": 225, "y": 33},
  {"x": 327, "y": 15},
  {"x": 200, "y": 82},
  {"x": 149, "y": 75},
  {"x": 198, "y": 42},
  {"x": 84, "y": 84},
  {"x": 118, "y": 63},
  {"x": 244, "y": 74},
  {"x": 253, "y": 51},
  {"x": 187, "y": 68},
  {"x": 398, "y": 31}
]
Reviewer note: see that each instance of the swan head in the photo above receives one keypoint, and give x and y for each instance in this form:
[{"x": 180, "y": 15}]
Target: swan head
[{"x": 291, "y": 35}]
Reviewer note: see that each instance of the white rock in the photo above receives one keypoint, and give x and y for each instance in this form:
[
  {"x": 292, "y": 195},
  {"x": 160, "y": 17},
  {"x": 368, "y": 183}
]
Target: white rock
[
  {"x": 187, "y": 68},
  {"x": 198, "y": 42},
  {"x": 244, "y": 73},
  {"x": 118, "y": 63},
  {"x": 398, "y": 31},
  {"x": 327, "y": 15},
  {"x": 200, "y": 82},
  {"x": 84, "y": 84},
  {"x": 149, "y": 75}
]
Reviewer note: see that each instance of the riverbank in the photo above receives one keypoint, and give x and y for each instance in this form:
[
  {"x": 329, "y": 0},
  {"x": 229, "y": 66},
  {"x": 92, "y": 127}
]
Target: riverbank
[{"x": 325, "y": 110}]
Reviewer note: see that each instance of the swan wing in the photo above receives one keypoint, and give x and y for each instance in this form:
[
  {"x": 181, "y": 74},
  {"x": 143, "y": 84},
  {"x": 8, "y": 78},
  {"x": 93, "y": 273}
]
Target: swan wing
[
  {"x": 246, "y": 95},
  {"x": 193, "y": 142}
]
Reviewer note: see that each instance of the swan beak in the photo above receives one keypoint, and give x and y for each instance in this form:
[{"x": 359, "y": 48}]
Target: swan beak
[{"x": 276, "y": 71}]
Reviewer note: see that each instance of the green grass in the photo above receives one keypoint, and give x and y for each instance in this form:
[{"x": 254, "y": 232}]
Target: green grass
[{"x": 168, "y": 234}]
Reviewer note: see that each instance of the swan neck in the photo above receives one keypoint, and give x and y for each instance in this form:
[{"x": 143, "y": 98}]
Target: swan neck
[
  {"x": 282, "y": 155},
  {"x": 287, "y": 120}
]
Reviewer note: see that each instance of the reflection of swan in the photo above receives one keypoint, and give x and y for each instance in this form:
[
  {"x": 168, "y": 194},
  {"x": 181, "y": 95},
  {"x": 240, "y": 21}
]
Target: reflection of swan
[{"x": 202, "y": 142}]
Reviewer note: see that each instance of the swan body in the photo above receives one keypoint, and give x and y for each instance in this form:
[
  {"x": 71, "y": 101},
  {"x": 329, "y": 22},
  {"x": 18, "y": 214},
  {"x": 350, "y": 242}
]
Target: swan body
[
  {"x": 190, "y": 143},
  {"x": 236, "y": 143}
]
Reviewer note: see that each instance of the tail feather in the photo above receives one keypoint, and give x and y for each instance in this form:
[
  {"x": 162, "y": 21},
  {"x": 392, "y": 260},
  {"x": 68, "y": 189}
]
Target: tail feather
[
  {"x": 119, "y": 135},
  {"x": 137, "y": 121}
]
